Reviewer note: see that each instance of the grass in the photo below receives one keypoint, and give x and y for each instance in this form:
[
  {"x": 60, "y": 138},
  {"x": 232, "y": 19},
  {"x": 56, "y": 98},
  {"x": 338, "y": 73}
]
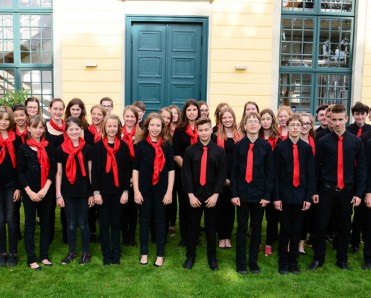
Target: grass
[{"x": 130, "y": 279}]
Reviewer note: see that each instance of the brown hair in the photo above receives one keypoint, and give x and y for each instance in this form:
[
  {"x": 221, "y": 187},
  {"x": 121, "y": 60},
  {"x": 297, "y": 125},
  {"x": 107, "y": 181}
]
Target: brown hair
[
  {"x": 72, "y": 120},
  {"x": 251, "y": 115},
  {"x": 183, "y": 119},
  {"x": 7, "y": 110},
  {"x": 202, "y": 121},
  {"x": 80, "y": 103},
  {"x": 139, "y": 105},
  {"x": 337, "y": 109},
  {"x": 311, "y": 131},
  {"x": 218, "y": 110},
  {"x": 131, "y": 109},
  {"x": 360, "y": 108},
  {"x": 33, "y": 99},
  {"x": 106, "y": 99},
  {"x": 293, "y": 117},
  {"x": 146, "y": 124},
  {"x": 237, "y": 135},
  {"x": 112, "y": 117},
  {"x": 54, "y": 100},
  {"x": 178, "y": 110},
  {"x": 34, "y": 121},
  {"x": 99, "y": 107},
  {"x": 274, "y": 126}
]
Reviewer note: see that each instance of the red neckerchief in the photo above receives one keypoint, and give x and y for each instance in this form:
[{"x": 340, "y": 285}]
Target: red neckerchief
[
  {"x": 192, "y": 134},
  {"x": 97, "y": 135},
  {"x": 220, "y": 141},
  {"x": 7, "y": 145},
  {"x": 159, "y": 161},
  {"x": 271, "y": 141},
  {"x": 127, "y": 137},
  {"x": 312, "y": 144},
  {"x": 281, "y": 136},
  {"x": 56, "y": 126},
  {"x": 42, "y": 157},
  {"x": 111, "y": 159},
  {"x": 67, "y": 147},
  {"x": 21, "y": 134}
]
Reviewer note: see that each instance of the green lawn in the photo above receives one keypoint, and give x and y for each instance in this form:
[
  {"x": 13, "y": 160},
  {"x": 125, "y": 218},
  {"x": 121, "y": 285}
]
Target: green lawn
[{"x": 130, "y": 279}]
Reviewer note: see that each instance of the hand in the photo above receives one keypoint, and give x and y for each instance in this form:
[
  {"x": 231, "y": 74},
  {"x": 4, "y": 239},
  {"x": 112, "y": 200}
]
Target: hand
[
  {"x": 195, "y": 203},
  {"x": 16, "y": 195},
  {"x": 168, "y": 198},
  {"x": 34, "y": 196},
  {"x": 131, "y": 182},
  {"x": 227, "y": 182},
  {"x": 356, "y": 201},
  {"x": 315, "y": 199},
  {"x": 91, "y": 201},
  {"x": 306, "y": 206},
  {"x": 138, "y": 198},
  {"x": 236, "y": 201},
  {"x": 263, "y": 203},
  {"x": 42, "y": 193},
  {"x": 211, "y": 202},
  {"x": 124, "y": 198},
  {"x": 278, "y": 205},
  {"x": 60, "y": 202},
  {"x": 98, "y": 199},
  {"x": 368, "y": 200}
]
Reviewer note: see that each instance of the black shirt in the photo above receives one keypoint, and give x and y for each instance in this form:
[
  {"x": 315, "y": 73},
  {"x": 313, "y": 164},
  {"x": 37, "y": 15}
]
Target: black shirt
[
  {"x": 228, "y": 147},
  {"x": 216, "y": 170},
  {"x": 103, "y": 181},
  {"x": 56, "y": 140},
  {"x": 322, "y": 133},
  {"x": 8, "y": 174},
  {"x": 261, "y": 186},
  {"x": 353, "y": 128},
  {"x": 368, "y": 156},
  {"x": 180, "y": 142},
  {"x": 353, "y": 153},
  {"x": 81, "y": 187},
  {"x": 285, "y": 191}
]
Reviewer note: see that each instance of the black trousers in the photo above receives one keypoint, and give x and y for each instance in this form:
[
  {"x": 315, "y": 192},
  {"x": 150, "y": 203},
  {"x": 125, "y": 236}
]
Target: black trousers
[
  {"x": 291, "y": 219},
  {"x": 337, "y": 203},
  {"x": 272, "y": 217},
  {"x": 171, "y": 210},
  {"x": 226, "y": 214},
  {"x": 129, "y": 219},
  {"x": 195, "y": 215},
  {"x": 366, "y": 231},
  {"x": 357, "y": 225},
  {"x": 255, "y": 212},
  {"x": 184, "y": 206}
]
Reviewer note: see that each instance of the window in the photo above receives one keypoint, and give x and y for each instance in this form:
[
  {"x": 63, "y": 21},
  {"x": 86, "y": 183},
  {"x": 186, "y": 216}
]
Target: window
[
  {"x": 316, "y": 53},
  {"x": 26, "y": 47}
]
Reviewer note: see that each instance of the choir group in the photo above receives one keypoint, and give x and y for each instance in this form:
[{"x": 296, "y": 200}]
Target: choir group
[{"x": 310, "y": 183}]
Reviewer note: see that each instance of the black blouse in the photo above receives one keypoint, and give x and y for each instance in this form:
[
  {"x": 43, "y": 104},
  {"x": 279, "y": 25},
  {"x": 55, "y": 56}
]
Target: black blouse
[{"x": 8, "y": 174}]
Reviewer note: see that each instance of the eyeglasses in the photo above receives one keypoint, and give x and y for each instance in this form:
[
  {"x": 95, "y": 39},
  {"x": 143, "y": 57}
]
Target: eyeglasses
[
  {"x": 295, "y": 125},
  {"x": 253, "y": 122},
  {"x": 105, "y": 106},
  {"x": 203, "y": 110},
  {"x": 307, "y": 124}
]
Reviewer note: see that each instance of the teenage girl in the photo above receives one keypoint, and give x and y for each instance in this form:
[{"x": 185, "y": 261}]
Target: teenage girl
[
  {"x": 218, "y": 109},
  {"x": 175, "y": 119},
  {"x": 33, "y": 106},
  {"x": 20, "y": 121},
  {"x": 204, "y": 109},
  {"x": 76, "y": 108},
  {"x": 283, "y": 114},
  {"x": 250, "y": 106}
]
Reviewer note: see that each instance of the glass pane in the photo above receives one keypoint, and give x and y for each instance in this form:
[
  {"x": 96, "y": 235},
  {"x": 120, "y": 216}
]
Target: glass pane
[
  {"x": 35, "y": 3},
  {"x": 7, "y": 81},
  {"x": 333, "y": 89},
  {"x": 298, "y": 5},
  {"x": 6, "y": 39},
  {"x": 297, "y": 42},
  {"x": 6, "y": 3},
  {"x": 335, "y": 42},
  {"x": 337, "y": 5},
  {"x": 295, "y": 91}
]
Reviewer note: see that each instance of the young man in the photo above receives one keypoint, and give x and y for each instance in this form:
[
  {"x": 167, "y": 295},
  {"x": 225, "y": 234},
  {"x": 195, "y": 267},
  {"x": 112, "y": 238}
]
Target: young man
[
  {"x": 294, "y": 187},
  {"x": 328, "y": 129},
  {"x": 340, "y": 185},
  {"x": 204, "y": 173},
  {"x": 107, "y": 104},
  {"x": 252, "y": 180},
  {"x": 366, "y": 218},
  {"x": 321, "y": 117},
  {"x": 141, "y": 107}
]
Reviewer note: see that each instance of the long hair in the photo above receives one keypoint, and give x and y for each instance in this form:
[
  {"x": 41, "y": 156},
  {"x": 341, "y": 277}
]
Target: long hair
[
  {"x": 311, "y": 131},
  {"x": 237, "y": 135},
  {"x": 242, "y": 123},
  {"x": 274, "y": 126},
  {"x": 34, "y": 121},
  {"x": 138, "y": 130},
  {"x": 7, "y": 110},
  {"x": 167, "y": 127},
  {"x": 217, "y": 111},
  {"x": 178, "y": 110},
  {"x": 183, "y": 118},
  {"x": 145, "y": 131},
  {"x": 80, "y": 103},
  {"x": 33, "y": 99},
  {"x": 112, "y": 117}
]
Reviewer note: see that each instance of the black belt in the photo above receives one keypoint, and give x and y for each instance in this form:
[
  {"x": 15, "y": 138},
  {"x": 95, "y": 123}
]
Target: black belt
[{"x": 336, "y": 188}]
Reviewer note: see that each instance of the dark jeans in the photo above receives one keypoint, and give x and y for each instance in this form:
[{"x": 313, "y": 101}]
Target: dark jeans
[
  {"x": 357, "y": 225},
  {"x": 43, "y": 211},
  {"x": 256, "y": 212},
  {"x": 366, "y": 231},
  {"x": 110, "y": 217},
  {"x": 8, "y": 216},
  {"x": 226, "y": 215},
  {"x": 291, "y": 218},
  {"x": 152, "y": 210},
  {"x": 272, "y": 217},
  {"x": 77, "y": 213},
  {"x": 171, "y": 210},
  {"x": 337, "y": 203},
  {"x": 129, "y": 218},
  {"x": 195, "y": 215}
]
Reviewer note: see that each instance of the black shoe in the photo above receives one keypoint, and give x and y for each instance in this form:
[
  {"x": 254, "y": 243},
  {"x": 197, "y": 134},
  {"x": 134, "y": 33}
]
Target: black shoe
[
  {"x": 182, "y": 243},
  {"x": 254, "y": 268},
  {"x": 315, "y": 265},
  {"x": 2, "y": 259},
  {"x": 342, "y": 265},
  {"x": 366, "y": 266},
  {"x": 355, "y": 249},
  {"x": 188, "y": 264},
  {"x": 213, "y": 264},
  {"x": 69, "y": 258},
  {"x": 242, "y": 271},
  {"x": 12, "y": 260},
  {"x": 85, "y": 258},
  {"x": 283, "y": 270},
  {"x": 294, "y": 269},
  {"x": 107, "y": 261}
]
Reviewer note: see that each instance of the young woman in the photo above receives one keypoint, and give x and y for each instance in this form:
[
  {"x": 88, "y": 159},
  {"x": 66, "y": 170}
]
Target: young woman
[
  {"x": 20, "y": 120},
  {"x": 204, "y": 109},
  {"x": 153, "y": 180},
  {"x": 33, "y": 106},
  {"x": 269, "y": 132},
  {"x": 111, "y": 175},
  {"x": 72, "y": 185},
  {"x": 185, "y": 135},
  {"x": 36, "y": 168},
  {"x": 76, "y": 108},
  {"x": 226, "y": 136},
  {"x": 283, "y": 114},
  {"x": 130, "y": 135},
  {"x": 9, "y": 194},
  {"x": 175, "y": 119},
  {"x": 250, "y": 106},
  {"x": 218, "y": 109},
  {"x": 166, "y": 115}
]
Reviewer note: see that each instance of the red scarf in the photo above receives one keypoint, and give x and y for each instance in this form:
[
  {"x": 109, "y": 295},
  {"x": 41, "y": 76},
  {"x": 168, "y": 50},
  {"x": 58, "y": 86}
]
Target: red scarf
[
  {"x": 67, "y": 147},
  {"x": 220, "y": 141},
  {"x": 192, "y": 134},
  {"x": 127, "y": 137},
  {"x": 21, "y": 134},
  {"x": 281, "y": 136},
  {"x": 271, "y": 141},
  {"x": 42, "y": 157},
  {"x": 97, "y": 135},
  {"x": 111, "y": 159},
  {"x": 5, "y": 145},
  {"x": 159, "y": 161},
  {"x": 312, "y": 144},
  {"x": 56, "y": 126}
]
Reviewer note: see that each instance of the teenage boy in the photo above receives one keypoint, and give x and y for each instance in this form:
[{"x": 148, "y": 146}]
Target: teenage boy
[
  {"x": 141, "y": 108},
  {"x": 107, "y": 104},
  {"x": 321, "y": 117},
  {"x": 328, "y": 129},
  {"x": 341, "y": 177},
  {"x": 366, "y": 218},
  {"x": 252, "y": 180},
  {"x": 294, "y": 187},
  {"x": 204, "y": 173}
]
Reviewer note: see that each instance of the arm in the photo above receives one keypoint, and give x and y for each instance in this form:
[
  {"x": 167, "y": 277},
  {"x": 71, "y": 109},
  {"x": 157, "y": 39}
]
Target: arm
[
  {"x": 137, "y": 195},
  {"x": 91, "y": 199},
  {"x": 169, "y": 192},
  {"x": 58, "y": 184}
]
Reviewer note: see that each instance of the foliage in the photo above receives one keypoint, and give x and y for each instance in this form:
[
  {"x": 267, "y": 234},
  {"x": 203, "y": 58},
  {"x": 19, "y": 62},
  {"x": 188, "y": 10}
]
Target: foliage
[{"x": 13, "y": 97}]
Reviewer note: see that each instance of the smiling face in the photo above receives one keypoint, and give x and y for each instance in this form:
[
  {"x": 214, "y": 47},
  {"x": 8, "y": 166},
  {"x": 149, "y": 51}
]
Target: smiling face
[
  {"x": 111, "y": 128},
  {"x": 282, "y": 117},
  {"x": 129, "y": 119},
  {"x": 321, "y": 116},
  {"x": 250, "y": 108},
  {"x": 175, "y": 115},
  {"x": 75, "y": 111},
  {"x": 73, "y": 132},
  {"x": 32, "y": 108},
  {"x": 166, "y": 117},
  {"x": 154, "y": 128},
  {"x": 204, "y": 110},
  {"x": 36, "y": 132},
  {"x": 20, "y": 118},
  {"x": 307, "y": 125},
  {"x": 97, "y": 116},
  {"x": 191, "y": 113},
  {"x": 56, "y": 110},
  {"x": 227, "y": 120},
  {"x": 360, "y": 118},
  {"x": 4, "y": 121}
]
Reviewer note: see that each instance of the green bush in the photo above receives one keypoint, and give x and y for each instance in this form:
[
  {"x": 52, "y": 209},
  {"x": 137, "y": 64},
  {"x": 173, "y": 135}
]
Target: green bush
[{"x": 12, "y": 97}]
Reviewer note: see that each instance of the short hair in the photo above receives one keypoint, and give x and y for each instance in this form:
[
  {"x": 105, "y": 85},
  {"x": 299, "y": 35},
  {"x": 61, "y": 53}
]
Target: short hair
[
  {"x": 19, "y": 108},
  {"x": 106, "y": 99},
  {"x": 329, "y": 108},
  {"x": 293, "y": 117},
  {"x": 139, "y": 105},
  {"x": 251, "y": 115},
  {"x": 8, "y": 110},
  {"x": 337, "y": 109},
  {"x": 54, "y": 100},
  {"x": 112, "y": 117},
  {"x": 360, "y": 108},
  {"x": 321, "y": 108},
  {"x": 34, "y": 121},
  {"x": 202, "y": 121}
]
